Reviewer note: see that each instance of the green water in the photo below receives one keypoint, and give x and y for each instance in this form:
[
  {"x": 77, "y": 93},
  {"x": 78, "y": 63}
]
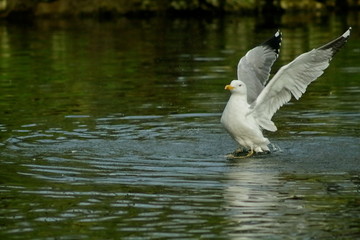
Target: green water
[{"x": 110, "y": 130}]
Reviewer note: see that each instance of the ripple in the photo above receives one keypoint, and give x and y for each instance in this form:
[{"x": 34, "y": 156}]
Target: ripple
[
  {"x": 77, "y": 116},
  {"x": 351, "y": 69}
]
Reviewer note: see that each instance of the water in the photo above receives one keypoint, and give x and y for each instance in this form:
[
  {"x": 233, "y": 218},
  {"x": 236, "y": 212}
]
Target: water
[{"x": 110, "y": 130}]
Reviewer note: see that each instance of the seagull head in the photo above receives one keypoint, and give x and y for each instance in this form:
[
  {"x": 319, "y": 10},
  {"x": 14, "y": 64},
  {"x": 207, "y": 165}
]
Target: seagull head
[{"x": 236, "y": 86}]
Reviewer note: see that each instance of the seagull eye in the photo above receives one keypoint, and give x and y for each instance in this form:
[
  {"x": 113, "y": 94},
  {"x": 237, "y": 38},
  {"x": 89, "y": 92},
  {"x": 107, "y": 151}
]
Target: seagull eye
[{"x": 239, "y": 85}]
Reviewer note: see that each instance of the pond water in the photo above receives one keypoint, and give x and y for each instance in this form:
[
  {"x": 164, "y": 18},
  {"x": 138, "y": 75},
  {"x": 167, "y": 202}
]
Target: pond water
[{"x": 110, "y": 130}]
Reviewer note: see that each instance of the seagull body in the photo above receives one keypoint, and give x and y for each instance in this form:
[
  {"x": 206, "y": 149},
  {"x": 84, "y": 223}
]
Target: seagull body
[
  {"x": 240, "y": 123},
  {"x": 254, "y": 100}
]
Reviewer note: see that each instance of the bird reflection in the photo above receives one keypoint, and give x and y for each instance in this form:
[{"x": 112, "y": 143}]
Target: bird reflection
[{"x": 255, "y": 200}]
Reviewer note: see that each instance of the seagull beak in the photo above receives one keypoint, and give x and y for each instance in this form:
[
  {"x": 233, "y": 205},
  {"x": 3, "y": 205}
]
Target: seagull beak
[{"x": 229, "y": 87}]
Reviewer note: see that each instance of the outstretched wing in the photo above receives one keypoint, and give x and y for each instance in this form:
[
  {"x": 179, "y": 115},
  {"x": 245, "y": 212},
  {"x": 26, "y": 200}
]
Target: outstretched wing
[
  {"x": 293, "y": 79},
  {"x": 254, "y": 68}
]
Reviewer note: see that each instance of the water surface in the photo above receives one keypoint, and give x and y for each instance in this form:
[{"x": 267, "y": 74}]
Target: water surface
[{"x": 110, "y": 130}]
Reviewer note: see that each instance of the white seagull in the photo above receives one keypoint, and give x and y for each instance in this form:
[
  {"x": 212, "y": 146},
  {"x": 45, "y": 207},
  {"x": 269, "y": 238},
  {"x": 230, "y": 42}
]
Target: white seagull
[{"x": 254, "y": 99}]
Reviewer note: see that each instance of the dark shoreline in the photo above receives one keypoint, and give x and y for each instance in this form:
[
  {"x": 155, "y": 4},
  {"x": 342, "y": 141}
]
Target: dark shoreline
[{"x": 16, "y": 9}]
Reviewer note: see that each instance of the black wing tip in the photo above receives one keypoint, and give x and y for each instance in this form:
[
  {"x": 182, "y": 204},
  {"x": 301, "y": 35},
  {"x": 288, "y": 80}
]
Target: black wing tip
[
  {"x": 274, "y": 42},
  {"x": 337, "y": 43},
  {"x": 346, "y": 34}
]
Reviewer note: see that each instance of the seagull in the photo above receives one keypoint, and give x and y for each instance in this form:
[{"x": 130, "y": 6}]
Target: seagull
[{"x": 254, "y": 99}]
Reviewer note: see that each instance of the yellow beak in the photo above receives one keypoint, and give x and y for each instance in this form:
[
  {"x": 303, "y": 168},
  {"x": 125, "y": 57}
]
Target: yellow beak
[{"x": 229, "y": 87}]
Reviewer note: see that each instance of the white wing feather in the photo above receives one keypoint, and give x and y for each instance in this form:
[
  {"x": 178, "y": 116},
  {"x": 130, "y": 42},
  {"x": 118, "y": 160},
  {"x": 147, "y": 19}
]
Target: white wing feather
[
  {"x": 256, "y": 64},
  {"x": 254, "y": 68},
  {"x": 293, "y": 79}
]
